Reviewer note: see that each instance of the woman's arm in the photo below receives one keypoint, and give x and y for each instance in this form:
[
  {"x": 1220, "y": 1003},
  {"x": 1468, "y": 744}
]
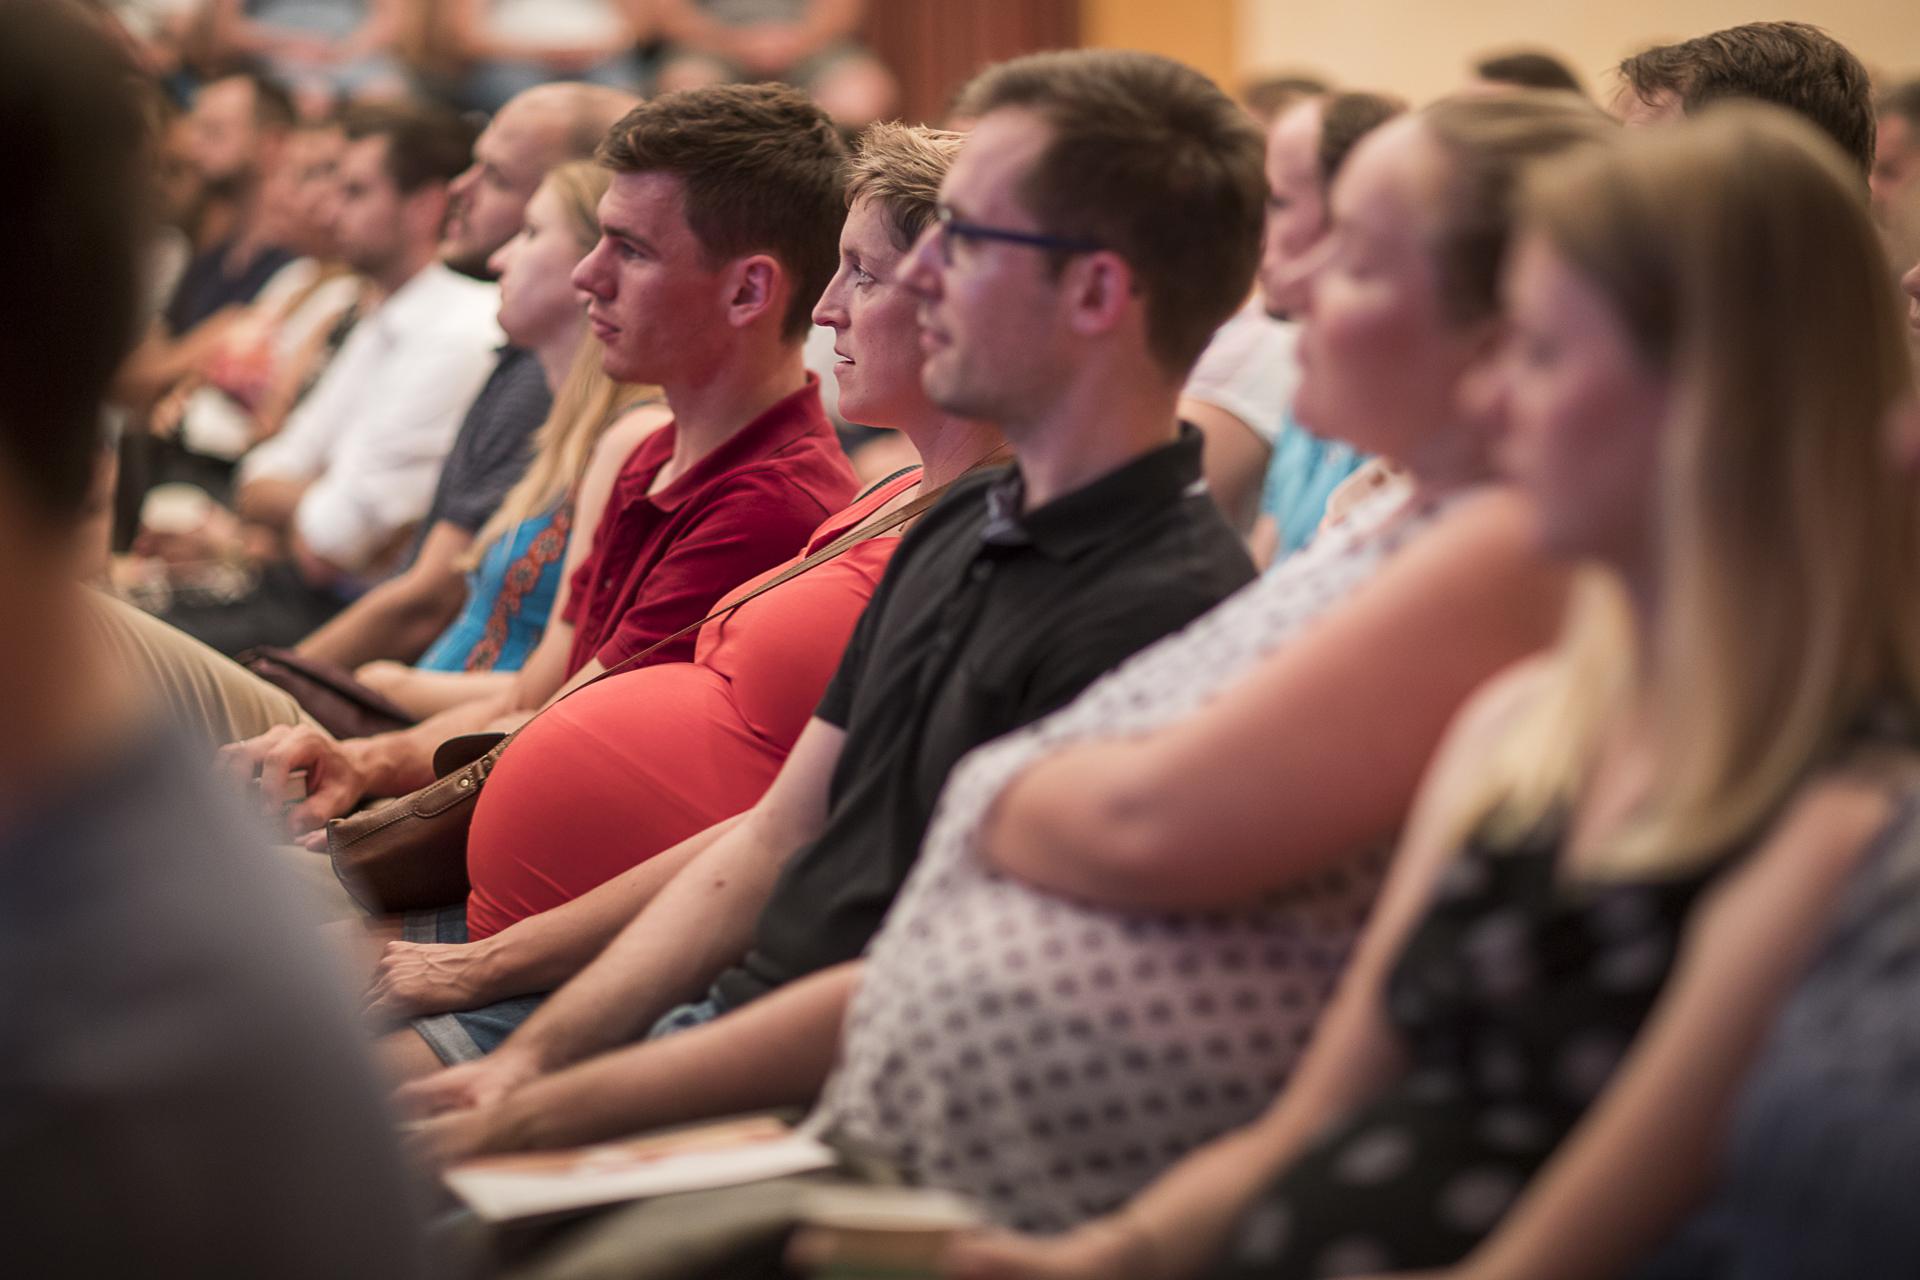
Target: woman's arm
[
  {"x": 1647, "y": 1152},
  {"x": 1179, "y": 1223},
  {"x": 1315, "y": 755}
]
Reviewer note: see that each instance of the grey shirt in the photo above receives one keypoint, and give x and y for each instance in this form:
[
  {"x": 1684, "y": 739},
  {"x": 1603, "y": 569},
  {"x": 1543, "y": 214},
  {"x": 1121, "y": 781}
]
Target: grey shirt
[{"x": 183, "y": 1089}]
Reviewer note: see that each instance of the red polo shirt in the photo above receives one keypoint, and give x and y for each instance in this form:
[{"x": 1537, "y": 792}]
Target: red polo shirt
[{"x": 663, "y": 560}]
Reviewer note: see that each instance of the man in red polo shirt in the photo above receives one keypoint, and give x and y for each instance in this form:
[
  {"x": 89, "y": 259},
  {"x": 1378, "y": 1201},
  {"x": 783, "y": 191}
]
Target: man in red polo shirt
[{"x": 719, "y": 231}]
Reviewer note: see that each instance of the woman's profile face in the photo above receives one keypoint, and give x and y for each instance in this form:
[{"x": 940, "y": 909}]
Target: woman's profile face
[
  {"x": 1585, "y": 414},
  {"x": 875, "y": 326},
  {"x": 537, "y": 298},
  {"x": 1296, "y": 207},
  {"x": 1380, "y": 364}
]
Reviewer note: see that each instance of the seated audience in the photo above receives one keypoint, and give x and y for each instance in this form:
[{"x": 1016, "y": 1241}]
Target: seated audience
[
  {"x": 1048, "y": 1058},
  {"x": 1305, "y": 150},
  {"x": 347, "y": 480},
  {"x": 239, "y": 391},
  {"x": 1524, "y": 69},
  {"x": 329, "y": 51},
  {"x": 235, "y": 140},
  {"x": 749, "y": 465},
  {"x": 1790, "y": 64},
  {"x": 581, "y": 796},
  {"x": 1007, "y": 599},
  {"x": 1626, "y": 852},
  {"x": 181, "y": 1092},
  {"x": 1895, "y": 181},
  {"x": 400, "y": 617},
  {"x": 515, "y": 565},
  {"x": 809, "y": 44},
  {"x": 513, "y": 45}
]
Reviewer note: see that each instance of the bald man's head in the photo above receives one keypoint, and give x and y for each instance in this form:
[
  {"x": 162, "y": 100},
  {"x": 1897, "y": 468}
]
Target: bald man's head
[{"x": 539, "y": 129}]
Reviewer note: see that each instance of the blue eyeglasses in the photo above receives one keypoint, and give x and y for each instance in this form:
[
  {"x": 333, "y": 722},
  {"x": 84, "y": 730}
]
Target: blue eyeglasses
[{"x": 950, "y": 226}]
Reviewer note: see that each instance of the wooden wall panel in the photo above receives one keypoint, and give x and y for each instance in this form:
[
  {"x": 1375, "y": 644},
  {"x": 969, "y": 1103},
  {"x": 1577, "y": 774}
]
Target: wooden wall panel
[{"x": 935, "y": 46}]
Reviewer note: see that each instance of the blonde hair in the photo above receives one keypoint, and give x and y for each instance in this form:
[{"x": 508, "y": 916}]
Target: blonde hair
[
  {"x": 587, "y": 402},
  {"x": 901, "y": 166},
  {"x": 1742, "y": 264}
]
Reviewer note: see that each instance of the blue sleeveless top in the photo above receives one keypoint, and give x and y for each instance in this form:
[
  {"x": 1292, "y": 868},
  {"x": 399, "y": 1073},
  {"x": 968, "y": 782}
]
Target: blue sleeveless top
[{"x": 509, "y": 595}]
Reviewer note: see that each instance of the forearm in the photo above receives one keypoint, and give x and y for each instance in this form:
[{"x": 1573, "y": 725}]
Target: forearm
[
  {"x": 425, "y": 694},
  {"x": 397, "y": 620},
  {"x": 270, "y": 501},
  {"x": 776, "y": 1051},
  {"x": 696, "y": 926},
  {"x": 397, "y": 764},
  {"x": 543, "y": 951}
]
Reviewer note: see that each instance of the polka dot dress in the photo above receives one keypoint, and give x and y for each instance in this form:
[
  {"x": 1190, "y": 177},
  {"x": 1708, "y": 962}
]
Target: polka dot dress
[
  {"x": 1515, "y": 999},
  {"x": 1050, "y": 1059}
]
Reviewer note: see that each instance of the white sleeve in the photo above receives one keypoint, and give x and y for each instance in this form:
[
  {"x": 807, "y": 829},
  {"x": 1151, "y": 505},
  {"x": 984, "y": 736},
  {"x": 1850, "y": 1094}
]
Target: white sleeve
[
  {"x": 1250, "y": 369},
  {"x": 382, "y": 474},
  {"x": 299, "y": 450}
]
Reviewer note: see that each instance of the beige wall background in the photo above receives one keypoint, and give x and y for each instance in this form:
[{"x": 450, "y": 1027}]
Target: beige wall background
[{"x": 1421, "y": 48}]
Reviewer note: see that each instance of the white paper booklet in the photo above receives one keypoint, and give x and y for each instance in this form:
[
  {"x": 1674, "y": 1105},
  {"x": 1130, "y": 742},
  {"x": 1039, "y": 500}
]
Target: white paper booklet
[{"x": 501, "y": 1188}]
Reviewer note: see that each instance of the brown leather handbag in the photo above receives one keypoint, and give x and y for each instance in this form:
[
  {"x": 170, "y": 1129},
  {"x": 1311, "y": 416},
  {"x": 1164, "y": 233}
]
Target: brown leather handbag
[{"x": 410, "y": 854}]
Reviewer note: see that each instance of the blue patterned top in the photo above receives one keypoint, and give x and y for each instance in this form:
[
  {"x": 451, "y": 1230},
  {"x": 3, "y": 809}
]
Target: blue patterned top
[
  {"x": 509, "y": 596},
  {"x": 1304, "y": 471}
]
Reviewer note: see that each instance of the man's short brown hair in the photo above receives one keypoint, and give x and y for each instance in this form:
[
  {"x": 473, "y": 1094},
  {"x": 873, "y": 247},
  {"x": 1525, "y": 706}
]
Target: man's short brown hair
[
  {"x": 763, "y": 171},
  {"x": 901, "y": 166},
  {"x": 1150, "y": 159},
  {"x": 1790, "y": 64},
  {"x": 424, "y": 144}
]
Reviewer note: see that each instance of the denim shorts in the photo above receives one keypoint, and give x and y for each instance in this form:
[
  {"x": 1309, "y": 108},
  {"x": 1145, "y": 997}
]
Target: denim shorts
[
  {"x": 471, "y": 1033},
  {"x": 475, "y": 1033}
]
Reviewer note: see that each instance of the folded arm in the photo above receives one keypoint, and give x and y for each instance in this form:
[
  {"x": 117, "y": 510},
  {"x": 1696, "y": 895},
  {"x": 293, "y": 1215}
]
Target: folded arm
[
  {"x": 1312, "y": 757},
  {"x": 1178, "y": 1224}
]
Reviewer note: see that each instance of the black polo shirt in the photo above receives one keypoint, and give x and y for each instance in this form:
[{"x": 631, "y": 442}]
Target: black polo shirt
[{"x": 986, "y": 620}]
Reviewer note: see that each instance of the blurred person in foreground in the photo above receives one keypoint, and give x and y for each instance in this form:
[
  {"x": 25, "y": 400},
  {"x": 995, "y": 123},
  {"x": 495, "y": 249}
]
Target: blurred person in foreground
[{"x": 180, "y": 1093}]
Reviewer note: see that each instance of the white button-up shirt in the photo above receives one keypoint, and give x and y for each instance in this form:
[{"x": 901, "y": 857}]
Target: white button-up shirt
[{"x": 374, "y": 431}]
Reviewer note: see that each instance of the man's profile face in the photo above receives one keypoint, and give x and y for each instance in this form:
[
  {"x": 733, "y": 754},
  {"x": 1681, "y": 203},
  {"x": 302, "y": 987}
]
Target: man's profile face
[
  {"x": 222, "y": 138},
  {"x": 489, "y": 199},
  {"x": 367, "y": 221},
  {"x": 990, "y": 321},
  {"x": 657, "y": 302}
]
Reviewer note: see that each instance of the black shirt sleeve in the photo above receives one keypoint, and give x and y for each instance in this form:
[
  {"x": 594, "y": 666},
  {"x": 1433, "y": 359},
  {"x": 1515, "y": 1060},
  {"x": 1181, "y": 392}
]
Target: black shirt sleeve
[{"x": 492, "y": 450}]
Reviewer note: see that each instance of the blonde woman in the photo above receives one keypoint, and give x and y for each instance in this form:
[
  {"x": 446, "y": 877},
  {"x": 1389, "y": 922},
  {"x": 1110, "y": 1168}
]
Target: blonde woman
[
  {"x": 1624, "y": 852},
  {"x": 523, "y": 556}
]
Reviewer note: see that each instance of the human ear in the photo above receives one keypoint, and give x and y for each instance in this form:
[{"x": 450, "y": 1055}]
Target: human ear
[
  {"x": 754, "y": 287},
  {"x": 1098, "y": 289}
]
